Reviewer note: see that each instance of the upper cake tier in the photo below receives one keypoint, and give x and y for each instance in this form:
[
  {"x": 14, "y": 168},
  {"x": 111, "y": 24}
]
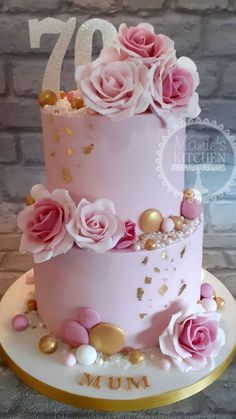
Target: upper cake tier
[{"x": 94, "y": 157}]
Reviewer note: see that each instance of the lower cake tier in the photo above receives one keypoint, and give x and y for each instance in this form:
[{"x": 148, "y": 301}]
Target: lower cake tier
[{"x": 137, "y": 291}]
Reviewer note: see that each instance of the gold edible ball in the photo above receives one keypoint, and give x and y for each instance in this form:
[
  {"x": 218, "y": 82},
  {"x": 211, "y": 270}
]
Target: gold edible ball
[
  {"x": 107, "y": 338},
  {"x": 47, "y": 97},
  {"x": 178, "y": 222},
  {"x": 220, "y": 302},
  {"x": 137, "y": 357},
  {"x": 32, "y": 305},
  {"x": 47, "y": 344},
  {"x": 189, "y": 193},
  {"x": 150, "y": 220},
  {"x": 62, "y": 94},
  {"x": 150, "y": 244},
  {"x": 77, "y": 103},
  {"x": 29, "y": 200}
]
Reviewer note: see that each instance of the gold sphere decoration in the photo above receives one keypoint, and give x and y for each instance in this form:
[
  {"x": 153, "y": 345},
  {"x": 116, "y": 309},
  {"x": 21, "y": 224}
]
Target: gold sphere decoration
[
  {"x": 48, "y": 344},
  {"x": 220, "y": 302},
  {"x": 150, "y": 220},
  {"x": 177, "y": 221},
  {"x": 136, "y": 357},
  {"x": 107, "y": 338},
  {"x": 29, "y": 200},
  {"x": 77, "y": 103},
  {"x": 189, "y": 193},
  {"x": 31, "y": 305},
  {"x": 150, "y": 244},
  {"x": 47, "y": 97},
  {"x": 62, "y": 94}
]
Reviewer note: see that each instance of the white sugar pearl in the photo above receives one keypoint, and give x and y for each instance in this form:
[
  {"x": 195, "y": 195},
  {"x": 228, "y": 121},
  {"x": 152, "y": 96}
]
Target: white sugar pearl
[
  {"x": 36, "y": 191},
  {"x": 164, "y": 364},
  {"x": 137, "y": 247},
  {"x": 209, "y": 304},
  {"x": 68, "y": 359},
  {"x": 86, "y": 355}
]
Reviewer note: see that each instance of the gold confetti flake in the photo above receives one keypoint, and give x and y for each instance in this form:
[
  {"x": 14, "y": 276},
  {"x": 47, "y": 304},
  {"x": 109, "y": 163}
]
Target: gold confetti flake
[
  {"x": 183, "y": 251},
  {"x": 181, "y": 290},
  {"x": 164, "y": 255},
  {"x": 142, "y": 315},
  {"x": 57, "y": 135},
  {"x": 140, "y": 293},
  {"x": 52, "y": 154},
  {"x": 157, "y": 270},
  {"x": 69, "y": 132},
  {"x": 145, "y": 260},
  {"x": 163, "y": 289},
  {"x": 148, "y": 280},
  {"x": 69, "y": 151},
  {"x": 66, "y": 175},
  {"x": 88, "y": 149}
]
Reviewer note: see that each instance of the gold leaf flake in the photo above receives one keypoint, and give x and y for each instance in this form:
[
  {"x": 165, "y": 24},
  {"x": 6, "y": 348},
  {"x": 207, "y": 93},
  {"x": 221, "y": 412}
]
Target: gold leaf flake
[
  {"x": 88, "y": 149},
  {"x": 183, "y": 251},
  {"x": 69, "y": 132},
  {"x": 57, "y": 135},
  {"x": 140, "y": 293},
  {"x": 145, "y": 260},
  {"x": 142, "y": 315},
  {"x": 157, "y": 270},
  {"x": 148, "y": 280},
  {"x": 66, "y": 175},
  {"x": 181, "y": 290},
  {"x": 163, "y": 289},
  {"x": 164, "y": 255},
  {"x": 69, "y": 151}
]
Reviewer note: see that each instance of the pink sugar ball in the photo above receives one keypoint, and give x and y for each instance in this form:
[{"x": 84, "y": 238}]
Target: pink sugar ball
[
  {"x": 191, "y": 208},
  {"x": 167, "y": 225},
  {"x": 207, "y": 290},
  {"x": 88, "y": 317},
  {"x": 164, "y": 364},
  {"x": 20, "y": 322},
  {"x": 70, "y": 95},
  {"x": 74, "y": 334},
  {"x": 209, "y": 304},
  {"x": 68, "y": 359}
]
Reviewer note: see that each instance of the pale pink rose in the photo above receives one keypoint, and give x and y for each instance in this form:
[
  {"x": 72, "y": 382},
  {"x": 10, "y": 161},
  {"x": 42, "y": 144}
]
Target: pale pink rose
[
  {"x": 114, "y": 87},
  {"x": 129, "y": 236},
  {"x": 96, "y": 225},
  {"x": 141, "y": 42},
  {"x": 173, "y": 86},
  {"x": 193, "y": 338},
  {"x": 44, "y": 225}
]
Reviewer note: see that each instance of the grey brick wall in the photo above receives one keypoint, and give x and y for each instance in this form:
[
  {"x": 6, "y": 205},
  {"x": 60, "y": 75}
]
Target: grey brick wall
[{"x": 204, "y": 29}]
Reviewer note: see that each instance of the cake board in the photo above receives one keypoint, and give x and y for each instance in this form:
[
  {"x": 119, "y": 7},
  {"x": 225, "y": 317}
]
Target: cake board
[{"x": 47, "y": 375}]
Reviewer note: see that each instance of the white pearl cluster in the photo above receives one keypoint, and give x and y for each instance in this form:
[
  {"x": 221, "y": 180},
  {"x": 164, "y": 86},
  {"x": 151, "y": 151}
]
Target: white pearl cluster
[{"x": 63, "y": 107}]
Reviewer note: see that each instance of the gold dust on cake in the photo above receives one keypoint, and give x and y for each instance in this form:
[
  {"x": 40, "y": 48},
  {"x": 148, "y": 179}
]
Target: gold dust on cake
[
  {"x": 69, "y": 151},
  {"x": 142, "y": 315},
  {"x": 163, "y": 289},
  {"x": 66, "y": 175},
  {"x": 164, "y": 255},
  {"x": 148, "y": 280},
  {"x": 140, "y": 293},
  {"x": 183, "y": 252},
  {"x": 88, "y": 149},
  {"x": 57, "y": 135},
  {"x": 69, "y": 132},
  {"x": 181, "y": 290},
  {"x": 145, "y": 260}
]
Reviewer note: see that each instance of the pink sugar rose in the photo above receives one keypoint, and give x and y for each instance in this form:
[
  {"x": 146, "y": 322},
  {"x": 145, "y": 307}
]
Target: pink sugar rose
[
  {"x": 172, "y": 87},
  {"x": 96, "y": 225},
  {"x": 193, "y": 338},
  {"x": 141, "y": 42},
  {"x": 113, "y": 87},
  {"x": 44, "y": 225},
  {"x": 129, "y": 236}
]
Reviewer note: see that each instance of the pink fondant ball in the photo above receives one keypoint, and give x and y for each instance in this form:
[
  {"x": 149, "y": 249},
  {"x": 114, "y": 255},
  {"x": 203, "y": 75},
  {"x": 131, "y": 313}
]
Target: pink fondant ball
[
  {"x": 167, "y": 225},
  {"x": 207, "y": 290},
  {"x": 74, "y": 334},
  {"x": 209, "y": 304},
  {"x": 20, "y": 322},
  {"x": 68, "y": 359},
  {"x": 88, "y": 317},
  {"x": 70, "y": 95},
  {"x": 164, "y": 364},
  {"x": 191, "y": 208}
]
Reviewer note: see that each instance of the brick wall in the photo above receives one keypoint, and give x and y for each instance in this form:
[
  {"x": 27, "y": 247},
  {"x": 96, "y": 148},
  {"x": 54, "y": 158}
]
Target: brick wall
[{"x": 205, "y": 30}]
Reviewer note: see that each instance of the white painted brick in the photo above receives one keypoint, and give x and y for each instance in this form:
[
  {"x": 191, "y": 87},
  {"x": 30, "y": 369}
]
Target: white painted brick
[
  {"x": 208, "y": 77},
  {"x": 212, "y": 240},
  {"x": 2, "y": 78},
  {"x": 7, "y": 148},
  {"x": 19, "y": 113},
  {"x": 223, "y": 217},
  {"x": 9, "y": 242},
  {"x": 140, "y": 4},
  {"x": 221, "y": 110},
  {"x": 8, "y": 212},
  {"x": 214, "y": 260},
  {"x": 220, "y": 36},
  {"x": 16, "y": 181},
  {"x": 200, "y": 5},
  {"x": 32, "y": 148},
  {"x": 228, "y": 82},
  {"x": 14, "y": 261},
  {"x": 30, "y": 5}
]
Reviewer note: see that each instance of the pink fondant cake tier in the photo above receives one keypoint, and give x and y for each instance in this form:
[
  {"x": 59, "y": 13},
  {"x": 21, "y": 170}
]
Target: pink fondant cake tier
[
  {"x": 139, "y": 297},
  {"x": 94, "y": 157}
]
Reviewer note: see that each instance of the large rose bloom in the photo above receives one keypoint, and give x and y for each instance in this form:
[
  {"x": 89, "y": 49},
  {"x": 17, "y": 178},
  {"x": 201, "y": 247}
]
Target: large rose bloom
[
  {"x": 173, "y": 86},
  {"x": 44, "y": 225},
  {"x": 96, "y": 225},
  {"x": 113, "y": 87},
  {"x": 193, "y": 338},
  {"x": 141, "y": 42}
]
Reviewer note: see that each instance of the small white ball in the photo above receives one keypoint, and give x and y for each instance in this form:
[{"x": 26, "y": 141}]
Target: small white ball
[
  {"x": 68, "y": 359},
  {"x": 36, "y": 191},
  {"x": 197, "y": 194},
  {"x": 86, "y": 355},
  {"x": 209, "y": 304}
]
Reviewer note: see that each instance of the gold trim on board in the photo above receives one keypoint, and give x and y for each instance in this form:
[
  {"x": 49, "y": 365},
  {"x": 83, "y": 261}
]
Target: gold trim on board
[{"x": 117, "y": 405}]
